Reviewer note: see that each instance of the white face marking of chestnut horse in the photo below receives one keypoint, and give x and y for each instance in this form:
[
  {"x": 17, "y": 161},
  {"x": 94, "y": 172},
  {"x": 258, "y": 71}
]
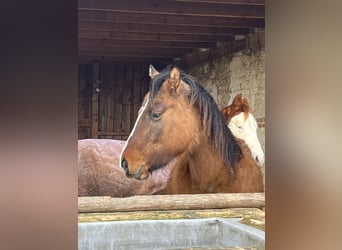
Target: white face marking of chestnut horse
[
  {"x": 140, "y": 112},
  {"x": 244, "y": 126}
]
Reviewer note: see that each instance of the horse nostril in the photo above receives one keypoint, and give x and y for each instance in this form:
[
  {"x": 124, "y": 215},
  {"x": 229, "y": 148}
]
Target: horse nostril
[
  {"x": 257, "y": 159},
  {"x": 124, "y": 165}
]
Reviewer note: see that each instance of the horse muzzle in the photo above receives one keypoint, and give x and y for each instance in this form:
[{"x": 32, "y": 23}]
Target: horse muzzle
[{"x": 139, "y": 174}]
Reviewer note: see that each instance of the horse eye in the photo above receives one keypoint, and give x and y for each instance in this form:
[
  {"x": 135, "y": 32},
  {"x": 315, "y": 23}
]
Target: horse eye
[
  {"x": 155, "y": 116},
  {"x": 240, "y": 127}
]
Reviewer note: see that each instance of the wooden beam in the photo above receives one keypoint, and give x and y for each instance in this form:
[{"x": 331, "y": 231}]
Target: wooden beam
[
  {"x": 152, "y": 36},
  {"x": 170, "y": 202},
  {"x": 132, "y": 50},
  {"x": 120, "y": 59},
  {"x": 250, "y": 214},
  {"x": 128, "y": 54},
  {"x": 84, "y": 122},
  {"x": 175, "y": 19},
  {"x": 246, "y": 2},
  {"x": 143, "y": 44},
  {"x": 252, "y": 42},
  {"x": 160, "y": 28},
  {"x": 111, "y": 133},
  {"x": 175, "y": 7},
  {"x": 94, "y": 99}
]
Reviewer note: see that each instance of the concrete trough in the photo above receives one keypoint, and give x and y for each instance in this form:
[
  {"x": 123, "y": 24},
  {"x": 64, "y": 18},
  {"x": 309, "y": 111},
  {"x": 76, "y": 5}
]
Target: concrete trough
[{"x": 169, "y": 234}]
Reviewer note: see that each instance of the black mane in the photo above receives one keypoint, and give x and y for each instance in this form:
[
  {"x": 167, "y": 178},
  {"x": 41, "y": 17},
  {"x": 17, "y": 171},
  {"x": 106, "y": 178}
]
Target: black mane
[{"x": 212, "y": 121}]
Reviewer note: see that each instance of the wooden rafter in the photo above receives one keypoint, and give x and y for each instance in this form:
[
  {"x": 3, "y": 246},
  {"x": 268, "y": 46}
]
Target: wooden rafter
[
  {"x": 162, "y": 29},
  {"x": 175, "y": 19},
  {"x": 176, "y": 7}
]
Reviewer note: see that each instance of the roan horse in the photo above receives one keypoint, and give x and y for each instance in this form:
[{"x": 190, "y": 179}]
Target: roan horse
[
  {"x": 100, "y": 174},
  {"x": 243, "y": 125},
  {"x": 180, "y": 123}
]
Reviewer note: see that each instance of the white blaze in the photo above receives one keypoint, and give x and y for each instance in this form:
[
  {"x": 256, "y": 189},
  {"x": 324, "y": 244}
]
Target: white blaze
[
  {"x": 247, "y": 131},
  {"x": 141, "y": 111}
]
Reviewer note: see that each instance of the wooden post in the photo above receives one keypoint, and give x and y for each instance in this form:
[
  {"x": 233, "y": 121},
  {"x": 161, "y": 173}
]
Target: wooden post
[
  {"x": 170, "y": 202},
  {"x": 95, "y": 100}
]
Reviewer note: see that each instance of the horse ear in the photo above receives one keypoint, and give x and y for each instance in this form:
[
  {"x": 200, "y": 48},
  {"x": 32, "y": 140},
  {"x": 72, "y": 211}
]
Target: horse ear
[
  {"x": 246, "y": 105},
  {"x": 174, "y": 81},
  {"x": 237, "y": 100},
  {"x": 153, "y": 72},
  {"x": 245, "y": 102},
  {"x": 225, "y": 112}
]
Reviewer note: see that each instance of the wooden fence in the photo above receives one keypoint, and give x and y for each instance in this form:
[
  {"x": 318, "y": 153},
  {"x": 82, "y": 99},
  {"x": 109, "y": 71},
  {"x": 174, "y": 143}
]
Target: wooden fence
[{"x": 249, "y": 207}]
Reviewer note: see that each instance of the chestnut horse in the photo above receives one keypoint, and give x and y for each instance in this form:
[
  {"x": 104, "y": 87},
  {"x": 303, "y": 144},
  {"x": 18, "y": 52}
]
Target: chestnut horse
[
  {"x": 180, "y": 122},
  {"x": 243, "y": 125}
]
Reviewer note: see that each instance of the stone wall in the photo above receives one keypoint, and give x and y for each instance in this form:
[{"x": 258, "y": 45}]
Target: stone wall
[{"x": 231, "y": 71}]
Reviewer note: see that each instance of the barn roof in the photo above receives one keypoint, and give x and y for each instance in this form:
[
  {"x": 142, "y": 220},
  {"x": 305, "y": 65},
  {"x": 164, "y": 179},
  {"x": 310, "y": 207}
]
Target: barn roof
[{"x": 161, "y": 30}]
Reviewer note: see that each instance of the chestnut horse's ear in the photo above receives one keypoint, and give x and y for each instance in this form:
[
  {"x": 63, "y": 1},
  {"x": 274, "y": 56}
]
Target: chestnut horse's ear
[
  {"x": 225, "y": 112},
  {"x": 153, "y": 72},
  {"x": 174, "y": 81},
  {"x": 245, "y": 102},
  {"x": 237, "y": 102},
  {"x": 246, "y": 106}
]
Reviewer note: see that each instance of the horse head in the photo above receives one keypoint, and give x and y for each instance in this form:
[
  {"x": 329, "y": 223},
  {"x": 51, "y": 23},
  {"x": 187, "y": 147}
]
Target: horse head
[
  {"x": 243, "y": 125},
  {"x": 156, "y": 139}
]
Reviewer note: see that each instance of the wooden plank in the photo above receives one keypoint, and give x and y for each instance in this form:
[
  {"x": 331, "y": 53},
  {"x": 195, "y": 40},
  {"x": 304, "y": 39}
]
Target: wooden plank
[
  {"x": 116, "y": 76},
  {"x": 170, "y": 202},
  {"x": 84, "y": 101},
  {"x": 123, "y": 59},
  {"x": 160, "y": 28},
  {"x": 84, "y": 107},
  {"x": 251, "y": 216},
  {"x": 172, "y": 214},
  {"x": 151, "y": 36},
  {"x": 84, "y": 132},
  {"x": 132, "y": 50},
  {"x": 248, "y": 2},
  {"x": 84, "y": 122},
  {"x": 111, "y": 134},
  {"x": 252, "y": 42},
  {"x": 84, "y": 92},
  {"x": 127, "y": 99},
  {"x": 94, "y": 105},
  {"x": 102, "y": 98},
  {"x": 105, "y": 55},
  {"x": 175, "y": 7},
  {"x": 110, "y": 102},
  {"x": 143, "y": 44},
  {"x": 175, "y": 19}
]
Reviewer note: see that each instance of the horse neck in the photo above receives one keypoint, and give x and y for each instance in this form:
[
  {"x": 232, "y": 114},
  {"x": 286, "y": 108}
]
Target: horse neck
[{"x": 205, "y": 164}]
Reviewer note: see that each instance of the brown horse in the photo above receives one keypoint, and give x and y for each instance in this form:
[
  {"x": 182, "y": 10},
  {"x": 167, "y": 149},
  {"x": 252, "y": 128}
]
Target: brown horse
[
  {"x": 243, "y": 125},
  {"x": 180, "y": 122}
]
